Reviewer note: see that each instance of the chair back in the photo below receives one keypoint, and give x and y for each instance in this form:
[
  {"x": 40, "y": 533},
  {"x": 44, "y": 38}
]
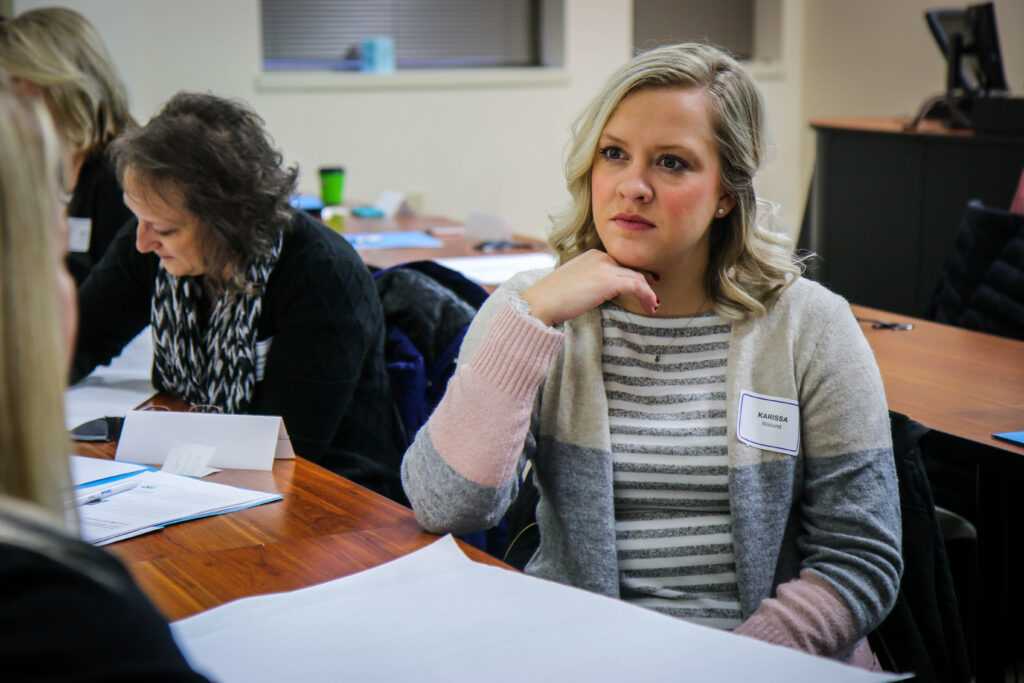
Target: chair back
[
  {"x": 427, "y": 309},
  {"x": 923, "y": 633},
  {"x": 982, "y": 285}
]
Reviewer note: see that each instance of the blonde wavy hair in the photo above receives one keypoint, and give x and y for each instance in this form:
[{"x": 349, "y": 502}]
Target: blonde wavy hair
[
  {"x": 750, "y": 265},
  {"x": 34, "y": 444},
  {"x": 60, "y": 52}
]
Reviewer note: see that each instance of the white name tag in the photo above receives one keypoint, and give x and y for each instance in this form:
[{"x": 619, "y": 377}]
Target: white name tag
[
  {"x": 769, "y": 422},
  {"x": 262, "y": 349},
  {"x": 79, "y": 234}
]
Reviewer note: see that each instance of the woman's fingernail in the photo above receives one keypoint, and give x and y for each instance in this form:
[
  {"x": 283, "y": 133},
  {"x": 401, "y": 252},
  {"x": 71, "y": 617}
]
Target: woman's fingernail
[{"x": 657, "y": 301}]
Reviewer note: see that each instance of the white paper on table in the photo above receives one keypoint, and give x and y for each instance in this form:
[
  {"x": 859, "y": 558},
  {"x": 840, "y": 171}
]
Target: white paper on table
[
  {"x": 391, "y": 202},
  {"x": 495, "y": 269},
  {"x": 434, "y": 615},
  {"x": 114, "y": 389},
  {"x": 482, "y": 225},
  {"x": 126, "y": 536},
  {"x": 160, "y": 499},
  {"x": 189, "y": 459},
  {"x": 244, "y": 442},
  {"x": 95, "y": 470}
]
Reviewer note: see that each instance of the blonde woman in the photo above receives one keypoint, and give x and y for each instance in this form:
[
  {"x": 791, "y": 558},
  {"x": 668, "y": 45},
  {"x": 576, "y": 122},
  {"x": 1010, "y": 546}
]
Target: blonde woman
[
  {"x": 71, "y": 611},
  {"x": 708, "y": 431},
  {"x": 55, "y": 54}
]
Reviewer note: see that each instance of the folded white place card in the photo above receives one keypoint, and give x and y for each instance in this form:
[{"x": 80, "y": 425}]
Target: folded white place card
[
  {"x": 242, "y": 442},
  {"x": 189, "y": 460}
]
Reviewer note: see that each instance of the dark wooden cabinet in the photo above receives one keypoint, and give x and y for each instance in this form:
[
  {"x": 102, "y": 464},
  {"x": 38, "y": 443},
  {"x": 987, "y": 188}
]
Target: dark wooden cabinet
[{"x": 885, "y": 204}]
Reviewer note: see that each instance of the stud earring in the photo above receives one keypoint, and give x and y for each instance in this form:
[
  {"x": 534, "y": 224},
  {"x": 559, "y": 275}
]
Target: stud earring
[{"x": 721, "y": 211}]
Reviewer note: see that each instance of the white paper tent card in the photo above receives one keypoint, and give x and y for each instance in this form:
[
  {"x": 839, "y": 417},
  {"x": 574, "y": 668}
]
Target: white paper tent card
[{"x": 242, "y": 442}]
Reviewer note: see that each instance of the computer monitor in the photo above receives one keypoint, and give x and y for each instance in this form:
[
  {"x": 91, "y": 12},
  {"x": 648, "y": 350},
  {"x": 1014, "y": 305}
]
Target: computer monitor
[{"x": 969, "y": 40}]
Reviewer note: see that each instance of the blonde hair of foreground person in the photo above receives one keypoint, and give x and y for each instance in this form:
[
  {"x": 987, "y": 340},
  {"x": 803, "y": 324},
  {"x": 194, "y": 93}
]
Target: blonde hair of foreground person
[
  {"x": 58, "y": 51},
  {"x": 749, "y": 264},
  {"x": 33, "y": 329}
]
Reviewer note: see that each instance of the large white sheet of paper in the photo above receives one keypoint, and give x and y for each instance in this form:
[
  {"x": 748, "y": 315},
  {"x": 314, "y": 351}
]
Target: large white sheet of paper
[
  {"x": 243, "y": 442},
  {"x": 114, "y": 389},
  {"x": 160, "y": 499},
  {"x": 434, "y": 615},
  {"x": 493, "y": 270}
]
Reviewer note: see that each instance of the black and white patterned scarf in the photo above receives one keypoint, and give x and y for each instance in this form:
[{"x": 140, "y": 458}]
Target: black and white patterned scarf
[{"x": 215, "y": 366}]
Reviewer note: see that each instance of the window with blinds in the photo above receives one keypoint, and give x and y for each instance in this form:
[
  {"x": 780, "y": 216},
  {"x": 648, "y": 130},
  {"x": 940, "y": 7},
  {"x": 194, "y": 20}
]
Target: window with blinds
[
  {"x": 749, "y": 29},
  {"x": 427, "y": 34}
]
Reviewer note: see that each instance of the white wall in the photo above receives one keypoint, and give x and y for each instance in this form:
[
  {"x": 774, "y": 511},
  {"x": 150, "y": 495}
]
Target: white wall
[
  {"x": 499, "y": 149},
  {"x": 495, "y": 149},
  {"x": 878, "y": 58}
]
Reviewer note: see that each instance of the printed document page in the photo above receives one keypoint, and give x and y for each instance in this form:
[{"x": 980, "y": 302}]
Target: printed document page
[{"x": 160, "y": 499}]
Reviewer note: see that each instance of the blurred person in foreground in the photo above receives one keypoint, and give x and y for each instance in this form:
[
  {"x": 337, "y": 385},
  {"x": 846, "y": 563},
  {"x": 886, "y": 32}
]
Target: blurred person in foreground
[{"x": 70, "y": 611}]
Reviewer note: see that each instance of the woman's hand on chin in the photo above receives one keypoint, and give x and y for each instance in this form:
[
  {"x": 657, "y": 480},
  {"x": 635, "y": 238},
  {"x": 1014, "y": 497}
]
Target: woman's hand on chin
[{"x": 584, "y": 283}]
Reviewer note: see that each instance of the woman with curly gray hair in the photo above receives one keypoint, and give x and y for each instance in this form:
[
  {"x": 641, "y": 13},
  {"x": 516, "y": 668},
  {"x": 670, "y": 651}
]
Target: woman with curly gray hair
[
  {"x": 255, "y": 307},
  {"x": 707, "y": 430}
]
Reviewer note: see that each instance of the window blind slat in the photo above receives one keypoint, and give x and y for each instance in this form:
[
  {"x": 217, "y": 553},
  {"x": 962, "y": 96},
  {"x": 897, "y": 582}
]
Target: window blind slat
[{"x": 426, "y": 32}]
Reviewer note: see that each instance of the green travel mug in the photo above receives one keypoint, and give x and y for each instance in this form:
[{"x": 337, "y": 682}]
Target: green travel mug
[{"x": 332, "y": 185}]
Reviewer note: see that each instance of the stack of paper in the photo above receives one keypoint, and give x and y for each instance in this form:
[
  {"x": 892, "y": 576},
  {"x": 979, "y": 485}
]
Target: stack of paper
[
  {"x": 436, "y": 616},
  {"x": 158, "y": 499}
]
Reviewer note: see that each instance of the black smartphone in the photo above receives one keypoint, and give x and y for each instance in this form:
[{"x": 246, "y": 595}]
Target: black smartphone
[{"x": 100, "y": 429}]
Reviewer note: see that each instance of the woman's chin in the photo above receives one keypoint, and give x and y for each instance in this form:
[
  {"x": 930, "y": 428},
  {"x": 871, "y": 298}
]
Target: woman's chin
[{"x": 631, "y": 258}]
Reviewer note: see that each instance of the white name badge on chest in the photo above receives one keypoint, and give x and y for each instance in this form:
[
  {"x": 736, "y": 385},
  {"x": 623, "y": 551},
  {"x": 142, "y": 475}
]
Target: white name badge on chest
[
  {"x": 79, "y": 234},
  {"x": 769, "y": 422}
]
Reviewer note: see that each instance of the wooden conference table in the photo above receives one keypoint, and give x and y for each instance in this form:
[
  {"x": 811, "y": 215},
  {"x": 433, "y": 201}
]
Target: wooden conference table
[
  {"x": 324, "y": 528},
  {"x": 966, "y": 386},
  {"x": 453, "y": 245},
  {"x": 957, "y": 381}
]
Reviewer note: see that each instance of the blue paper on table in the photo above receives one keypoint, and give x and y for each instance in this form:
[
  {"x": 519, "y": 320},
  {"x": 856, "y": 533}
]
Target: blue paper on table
[
  {"x": 1013, "y": 437},
  {"x": 391, "y": 240}
]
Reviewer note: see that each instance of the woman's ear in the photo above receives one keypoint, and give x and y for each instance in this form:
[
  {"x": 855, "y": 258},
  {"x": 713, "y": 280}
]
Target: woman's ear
[{"x": 725, "y": 204}]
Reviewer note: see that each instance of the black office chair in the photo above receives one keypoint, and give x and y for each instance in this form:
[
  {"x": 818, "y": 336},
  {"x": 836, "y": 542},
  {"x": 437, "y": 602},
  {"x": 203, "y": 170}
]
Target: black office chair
[
  {"x": 982, "y": 285},
  {"x": 923, "y": 633}
]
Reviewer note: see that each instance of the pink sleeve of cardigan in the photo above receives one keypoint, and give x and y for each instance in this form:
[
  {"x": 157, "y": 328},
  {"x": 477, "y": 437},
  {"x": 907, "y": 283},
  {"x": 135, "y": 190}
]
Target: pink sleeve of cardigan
[
  {"x": 807, "y": 614},
  {"x": 480, "y": 425}
]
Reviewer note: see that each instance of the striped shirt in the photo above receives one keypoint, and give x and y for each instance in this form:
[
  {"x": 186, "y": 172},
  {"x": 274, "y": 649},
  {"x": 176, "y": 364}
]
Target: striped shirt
[{"x": 665, "y": 381}]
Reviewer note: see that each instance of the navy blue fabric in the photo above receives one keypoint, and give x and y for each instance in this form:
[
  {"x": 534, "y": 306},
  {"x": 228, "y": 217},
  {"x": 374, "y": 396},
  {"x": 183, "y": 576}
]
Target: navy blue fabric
[{"x": 427, "y": 310}]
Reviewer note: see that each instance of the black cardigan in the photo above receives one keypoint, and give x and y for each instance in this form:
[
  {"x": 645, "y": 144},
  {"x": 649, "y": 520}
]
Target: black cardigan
[
  {"x": 98, "y": 197},
  {"x": 325, "y": 372}
]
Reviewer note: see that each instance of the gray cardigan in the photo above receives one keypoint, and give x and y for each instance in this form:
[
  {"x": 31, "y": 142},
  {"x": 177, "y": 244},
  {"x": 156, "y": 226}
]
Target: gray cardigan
[{"x": 832, "y": 508}]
